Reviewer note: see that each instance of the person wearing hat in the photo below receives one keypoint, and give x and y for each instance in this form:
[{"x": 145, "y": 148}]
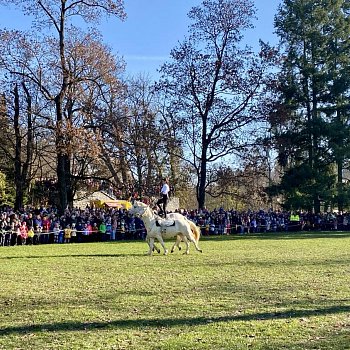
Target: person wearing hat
[{"x": 164, "y": 192}]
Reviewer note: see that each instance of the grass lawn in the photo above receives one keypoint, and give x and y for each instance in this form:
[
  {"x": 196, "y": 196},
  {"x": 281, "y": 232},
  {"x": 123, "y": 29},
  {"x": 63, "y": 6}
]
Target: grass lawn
[{"x": 275, "y": 291}]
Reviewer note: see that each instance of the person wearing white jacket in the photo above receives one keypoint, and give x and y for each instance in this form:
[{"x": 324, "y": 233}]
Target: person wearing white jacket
[{"x": 164, "y": 192}]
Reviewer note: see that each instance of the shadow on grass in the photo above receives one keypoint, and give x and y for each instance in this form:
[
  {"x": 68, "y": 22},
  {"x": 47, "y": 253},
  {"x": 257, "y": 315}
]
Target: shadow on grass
[
  {"x": 170, "y": 322},
  {"x": 280, "y": 235},
  {"x": 72, "y": 256},
  {"x": 322, "y": 262}
]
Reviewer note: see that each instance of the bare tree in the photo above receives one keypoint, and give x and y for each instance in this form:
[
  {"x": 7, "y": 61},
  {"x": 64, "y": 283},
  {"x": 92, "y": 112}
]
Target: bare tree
[
  {"x": 49, "y": 55},
  {"x": 215, "y": 85},
  {"x": 18, "y": 146},
  {"x": 146, "y": 142}
]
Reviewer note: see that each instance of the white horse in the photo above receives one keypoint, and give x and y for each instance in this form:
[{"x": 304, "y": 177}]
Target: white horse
[
  {"x": 174, "y": 226},
  {"x": 195, "y": 229},
  {"x": 173, "y": 216},
  {"x": 179, "y": 238}
]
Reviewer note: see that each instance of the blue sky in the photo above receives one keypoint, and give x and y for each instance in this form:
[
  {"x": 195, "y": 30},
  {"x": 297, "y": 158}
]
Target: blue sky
[{"x": 153, "y": 28}]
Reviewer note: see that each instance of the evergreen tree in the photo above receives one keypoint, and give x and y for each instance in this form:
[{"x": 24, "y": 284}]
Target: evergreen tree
[{"x": 313, "y": 85}]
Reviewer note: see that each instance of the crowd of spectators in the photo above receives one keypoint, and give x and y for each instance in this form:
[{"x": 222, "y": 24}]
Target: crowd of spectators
[
  {"x": 44, "y": 225},
  {"x": 220, "y": 221}
]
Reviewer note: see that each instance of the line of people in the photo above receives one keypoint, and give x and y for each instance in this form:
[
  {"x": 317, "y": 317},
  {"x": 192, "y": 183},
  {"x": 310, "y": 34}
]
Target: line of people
[{"x": 44, "y": 225}]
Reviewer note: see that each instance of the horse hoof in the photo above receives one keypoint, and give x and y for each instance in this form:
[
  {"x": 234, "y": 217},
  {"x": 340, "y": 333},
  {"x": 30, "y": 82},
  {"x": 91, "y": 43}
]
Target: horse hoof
[
  {"x": 200, "y": 250},
  {"x": 179, "y": 248},
  {"x": 166, "y": 252},
  {"x": 172, "y": 251}
]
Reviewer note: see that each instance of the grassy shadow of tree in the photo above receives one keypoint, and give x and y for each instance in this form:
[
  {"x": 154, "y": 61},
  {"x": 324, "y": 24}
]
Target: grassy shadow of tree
[{"x": 170, "y": 322}]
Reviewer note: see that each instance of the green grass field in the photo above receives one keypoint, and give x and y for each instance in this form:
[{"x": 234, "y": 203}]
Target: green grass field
[{"x": 249, "y": 292}]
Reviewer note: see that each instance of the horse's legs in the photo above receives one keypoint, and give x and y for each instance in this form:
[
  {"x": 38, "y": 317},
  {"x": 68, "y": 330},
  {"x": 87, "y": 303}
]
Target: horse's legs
[
  {"x": 193, "y": 240},
  {"x": 180, "y": 236},
  {"x": 187, "y": 251},
  {"x": 160, "y": 239},
  {"x": 195, "y": 244},
  {"x": 150, "y": 241},
  {"x": 155, "y": 248},
  {"x": 177, "y": 242}
]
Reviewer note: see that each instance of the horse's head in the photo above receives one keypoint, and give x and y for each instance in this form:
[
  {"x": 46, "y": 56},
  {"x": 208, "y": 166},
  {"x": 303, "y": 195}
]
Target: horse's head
[{"x": 138, "y": 208}]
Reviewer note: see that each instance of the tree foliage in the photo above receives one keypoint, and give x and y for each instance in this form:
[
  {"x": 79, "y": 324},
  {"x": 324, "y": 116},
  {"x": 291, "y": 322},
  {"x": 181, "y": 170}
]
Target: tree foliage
[
  {"x": 65, "y": 65},
  {"x": 314, "y": 100}
]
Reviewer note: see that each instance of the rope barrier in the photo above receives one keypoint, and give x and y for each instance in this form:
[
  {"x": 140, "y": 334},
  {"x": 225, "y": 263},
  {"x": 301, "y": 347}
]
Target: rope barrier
[
  {"x": 77, "y": 231},
  {"x": 207, "y": 227}
]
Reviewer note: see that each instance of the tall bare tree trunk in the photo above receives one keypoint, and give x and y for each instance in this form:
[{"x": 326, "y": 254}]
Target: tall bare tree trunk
[
  {"x": 22, "y": 167},
  {"x": 18, "y": 152},
  {"x": 61, "y": 159}
]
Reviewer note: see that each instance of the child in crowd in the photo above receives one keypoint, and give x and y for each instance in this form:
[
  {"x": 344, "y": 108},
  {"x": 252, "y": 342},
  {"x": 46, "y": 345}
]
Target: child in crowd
[
  {"x": 30, "y": 234},
  {"x": 56, "y": 232},
  {"x": 60, "y": 235},
  {"x": 2, "y": 233},
  {"x": 23, "y": 233},
  {"x": 67, "y": 234},
  {"x": 73, "y": 233}
]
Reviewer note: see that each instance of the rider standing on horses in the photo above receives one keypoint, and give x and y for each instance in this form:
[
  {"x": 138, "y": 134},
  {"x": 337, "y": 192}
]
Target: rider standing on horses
[{"x": 164, "y": 192}]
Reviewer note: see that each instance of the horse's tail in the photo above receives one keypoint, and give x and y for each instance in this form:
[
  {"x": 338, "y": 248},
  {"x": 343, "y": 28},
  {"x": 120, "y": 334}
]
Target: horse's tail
[{"x": 195, "y": 230}]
